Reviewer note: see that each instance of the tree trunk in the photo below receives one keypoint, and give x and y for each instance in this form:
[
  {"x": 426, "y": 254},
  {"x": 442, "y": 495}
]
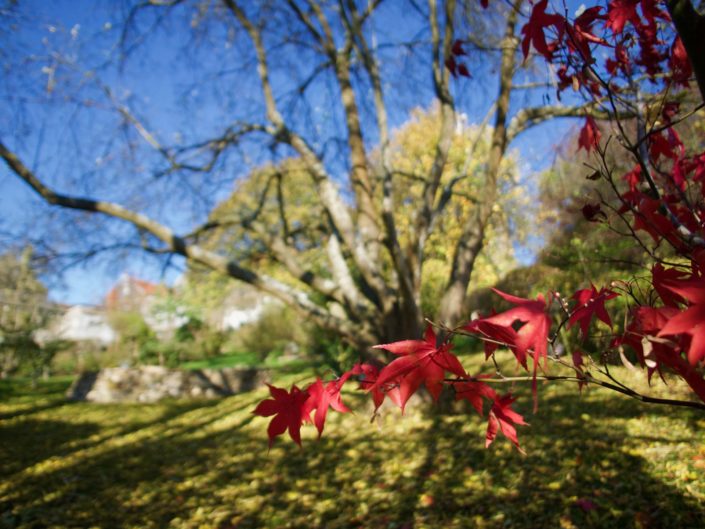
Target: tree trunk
[{"x": 472, "y": 239}]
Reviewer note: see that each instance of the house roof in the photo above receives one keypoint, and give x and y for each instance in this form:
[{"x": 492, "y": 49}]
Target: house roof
[{"x": 130, "y": 290}]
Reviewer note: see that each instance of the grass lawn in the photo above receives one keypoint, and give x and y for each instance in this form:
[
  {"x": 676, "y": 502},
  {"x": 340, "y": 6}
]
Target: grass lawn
[
  {"x": 597, "y": 460},
  {"x": 247, "y": 359},
  {"x": 244, "y": 359}
]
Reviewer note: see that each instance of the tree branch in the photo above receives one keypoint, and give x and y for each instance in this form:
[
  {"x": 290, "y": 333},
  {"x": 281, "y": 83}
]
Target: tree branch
[
  {"x": 530, "y": 117},
  {"x": 178, "y": 245},
  {"x": 336, "y": 208},
  {"x": 589, "y": 380},
  {"x": 441, "y": 78}
]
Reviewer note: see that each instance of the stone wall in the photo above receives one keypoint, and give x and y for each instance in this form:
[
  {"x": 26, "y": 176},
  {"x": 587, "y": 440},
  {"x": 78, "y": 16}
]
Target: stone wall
[{"x": 153, "y": 383}]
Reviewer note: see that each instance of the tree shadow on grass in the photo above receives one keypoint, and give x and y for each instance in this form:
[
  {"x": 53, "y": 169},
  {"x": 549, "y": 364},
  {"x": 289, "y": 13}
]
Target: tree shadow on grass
[
  {"x": 186, "y": 472},
  {"x": 58, "y": 403},
  {"x": 579, "y": 472},
  {"x": 27, "y": 441},
  {"x": 18, "y": 398},
  {"x": 86, "y": 486},
  {"x": 16, "y": 387}
]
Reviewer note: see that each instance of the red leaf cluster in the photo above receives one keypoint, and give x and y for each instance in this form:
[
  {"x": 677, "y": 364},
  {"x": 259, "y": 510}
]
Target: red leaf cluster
[
  {"x": 293, "y": 408},
  {"x": 453, "y": 63},
  {"x": 420, "y": 362},
  {"x": 503, "y": 418},
  {"x": 589, "y": 138},
  {"x": 664, "y": 197},
  {"x": 589, "y": 303},
  {"x": 535, "y": 28}
]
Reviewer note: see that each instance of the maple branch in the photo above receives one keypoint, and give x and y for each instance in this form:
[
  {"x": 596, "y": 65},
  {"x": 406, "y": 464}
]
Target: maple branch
[
  {"x": 590, "y": 380},
  {"x": 343, "y": 277},
  {"x": 639, "y": 151},
  {"x": 306, "y": 21},
  {"x": 448, "y": 192}
]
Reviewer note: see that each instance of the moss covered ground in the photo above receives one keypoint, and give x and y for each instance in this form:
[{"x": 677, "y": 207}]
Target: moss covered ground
[{"x": 593, "y": 460}]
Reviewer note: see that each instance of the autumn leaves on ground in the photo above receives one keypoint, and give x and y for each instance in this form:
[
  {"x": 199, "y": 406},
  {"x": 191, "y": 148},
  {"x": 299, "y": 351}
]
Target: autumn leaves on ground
[{"x": 596, "y": 460}]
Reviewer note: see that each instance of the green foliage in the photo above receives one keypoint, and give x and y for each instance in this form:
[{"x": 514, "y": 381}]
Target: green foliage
[
  {"x": 86, "y": 356},
  {"x": 136, "y": 337},
  {"x": 201, "y": 339},
  {"x": 19, "y": 349},
  {"x": 204, "y": 464},
  {"x": 279, "y": 330},
  {"x": 39, "y": 358},
  {"x": 331, "y": 352},
  {"x": 244, "y": 359},
  {"x": 194, "y": 340},
  {"x": 24, "y": 311}
]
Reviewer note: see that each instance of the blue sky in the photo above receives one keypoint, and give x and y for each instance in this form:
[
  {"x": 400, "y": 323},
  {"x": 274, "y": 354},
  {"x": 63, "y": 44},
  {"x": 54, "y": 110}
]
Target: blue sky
[{"x": 66, "y": 146}]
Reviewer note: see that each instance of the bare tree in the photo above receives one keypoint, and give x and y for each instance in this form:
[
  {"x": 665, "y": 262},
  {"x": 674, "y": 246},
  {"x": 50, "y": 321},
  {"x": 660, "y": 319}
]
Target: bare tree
[{"x": 305, "y": 54}]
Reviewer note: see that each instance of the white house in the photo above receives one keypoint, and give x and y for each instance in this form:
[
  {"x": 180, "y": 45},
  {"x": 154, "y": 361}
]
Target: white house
[{"x": 82, "y": 323}]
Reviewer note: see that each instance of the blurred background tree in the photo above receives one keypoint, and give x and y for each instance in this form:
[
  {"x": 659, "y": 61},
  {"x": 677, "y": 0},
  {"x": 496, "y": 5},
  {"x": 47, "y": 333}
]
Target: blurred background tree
[{"x": 23, "y": 311}]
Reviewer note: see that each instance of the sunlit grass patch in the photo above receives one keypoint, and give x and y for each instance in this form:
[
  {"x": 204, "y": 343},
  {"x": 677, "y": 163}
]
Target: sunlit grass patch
[{"x": 593, "y": 460}]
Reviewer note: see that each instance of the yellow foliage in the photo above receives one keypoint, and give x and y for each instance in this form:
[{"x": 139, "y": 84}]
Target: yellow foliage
[
  {"x": 411, "y": 157},
  {"x": 281, "y": 201}
]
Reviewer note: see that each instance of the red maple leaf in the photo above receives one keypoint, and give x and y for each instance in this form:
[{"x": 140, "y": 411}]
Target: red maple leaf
[
  {"x": 694, "y": 165},
  {"x": 650, "y": 54},
  {"x": 578, "y": 364},
  {"x": 503, "y": 418},
  {"x": 370, "y": 375},
  {"x": 648, "y": 322},
  {"x": 619, "y": 12},
  {"x": 585, "y": 504},
  {"x": 532, "y": 334},
  {"x": 651, "y": 11},
  {"x": 463, "y": 70},
  {"x": 457, "y": 48},
  {"x": 580, "y": 33},
  {"x": 288, "y": 411},
  {"x": 621, "y": 60},
  {"x": 669, "y": 111},
  {"x": 590, "y": 303},
  {"x": 452, "y": 66},
  {"x": 680, "y": 63},
  {"x": 691, "y": 321},
  {"x": 593, "y": 213},
  {"x": 321, "y": 397},
  {"x": 666, "y": 143},
  {"x": 633, "y": 177},
  {"x": 474, "y": 391},
  {"x": 650, "y": 218},
  {"x": 661, "y": 277},
  {"x": 589, "y": 138},
  {"x": 534, "y": 29},
  {"x": 420, "y": 362},
  {"x": 494, "y": 335}
]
